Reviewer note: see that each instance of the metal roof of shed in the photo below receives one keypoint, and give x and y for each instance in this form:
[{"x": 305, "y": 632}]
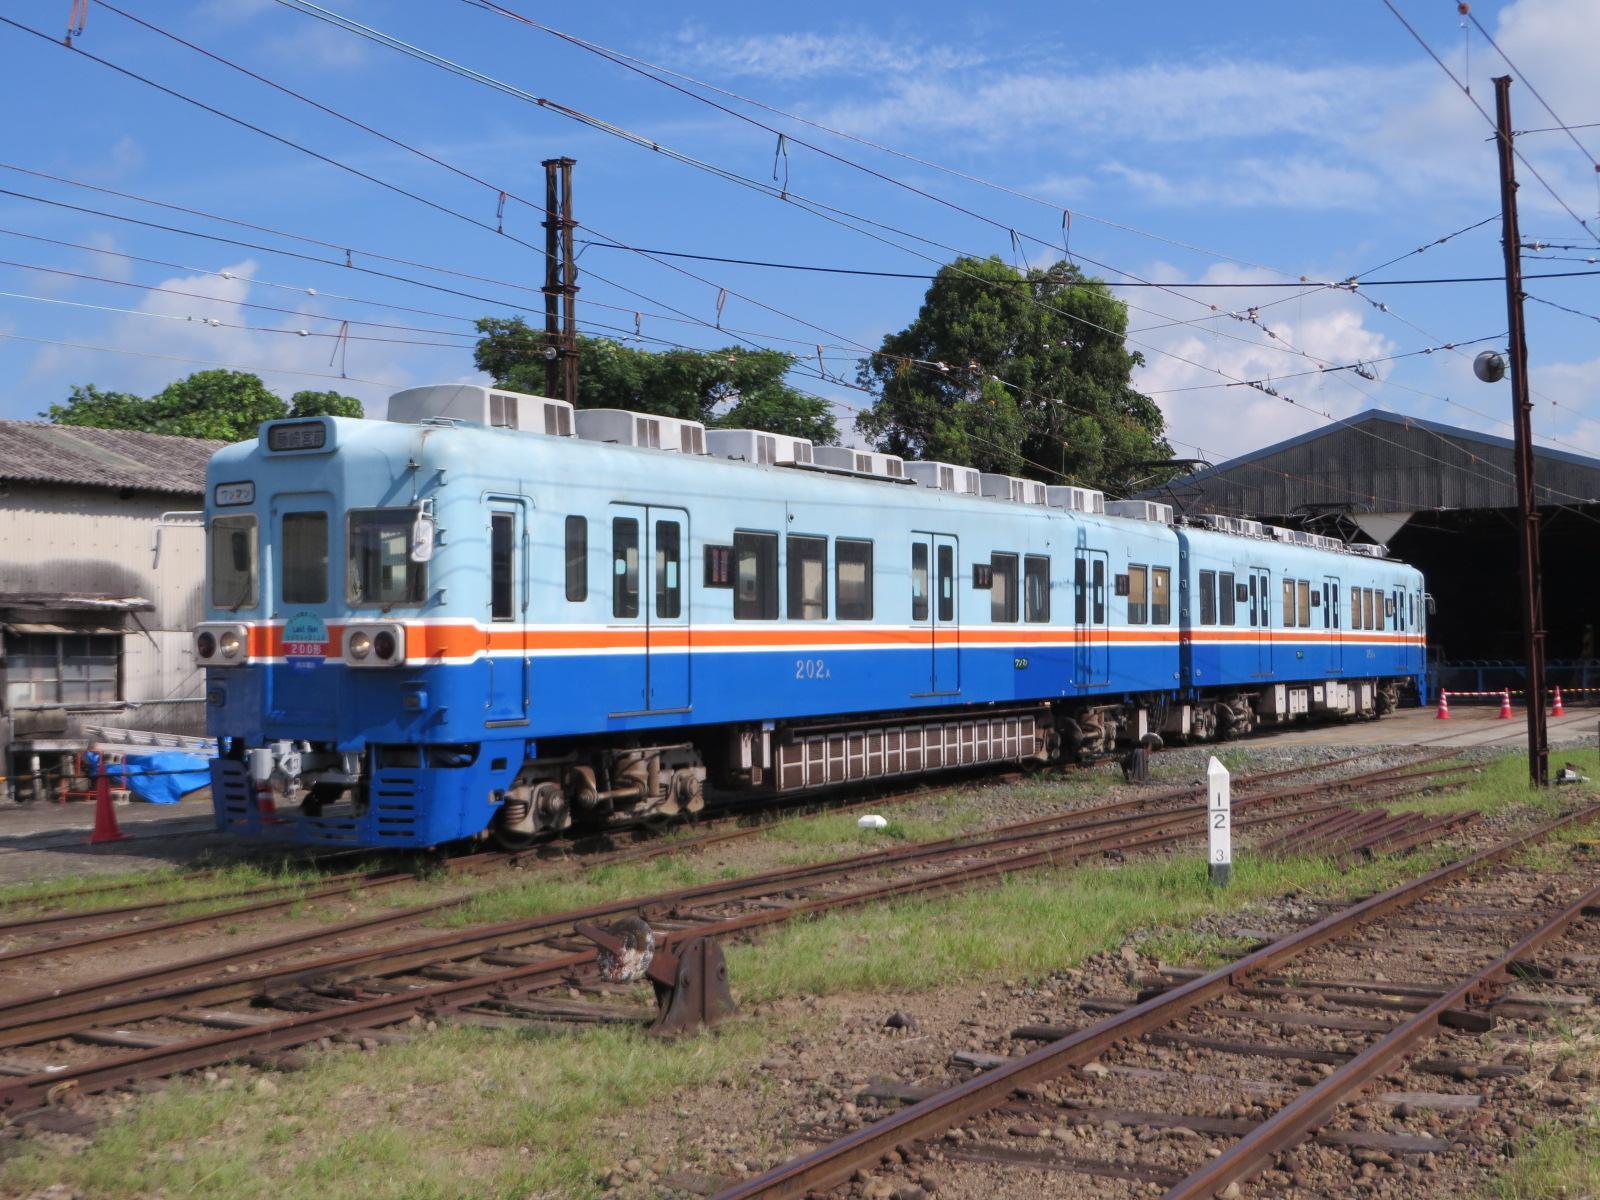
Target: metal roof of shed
[{"x": 74, "y": 455}]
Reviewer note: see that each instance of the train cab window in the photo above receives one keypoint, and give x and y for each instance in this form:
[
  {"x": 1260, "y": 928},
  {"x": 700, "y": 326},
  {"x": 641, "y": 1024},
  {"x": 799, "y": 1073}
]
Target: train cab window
[
  {"x": 1080, "y": 592},
  {"x": 1160, "y": 595},
  {"x": 502, "y": 587},
  {"x": 852, "y": 568},
  {"x": 577, "y": 545},
  {"x": 1036, "y": 587},
  {"x": 1226, "y": 598},
  {"x": 1208, "y": 597},
  {"x": 919, "y": 581},
  {"x": 946, "y": 580},
  {"x": 669, "y": 569},
  {"x": 1099, "y": 591},
  {"x": 305, "y": 558},
  {"x": 624, "y": 567},
  {"x": 380, "y": 568},
  {"x": 1138, "y": 595},
  {"x": 233, "y": 561},
  {"x": 1288, "y": 603},
  {"x": 1304, "y": 602},
  {"x": 1003, "y": 592},
  {"x": 808, "y": 578},
  {"x": 755, "y": 576}
]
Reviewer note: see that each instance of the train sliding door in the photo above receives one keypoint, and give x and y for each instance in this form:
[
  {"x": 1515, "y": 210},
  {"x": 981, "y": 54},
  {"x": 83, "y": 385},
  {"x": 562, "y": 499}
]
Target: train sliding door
[
  {"x": 1092, "y": 657},
  {"x": 1261, "y": 617},
  {"x": 1330, "y": 622},
  {"x": 935, "y": 601},
  {"x": 650, "y": 593}
]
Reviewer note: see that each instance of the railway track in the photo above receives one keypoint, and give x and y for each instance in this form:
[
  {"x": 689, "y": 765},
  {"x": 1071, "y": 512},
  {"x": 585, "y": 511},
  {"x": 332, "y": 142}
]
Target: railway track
[
  {"x": 117, "y": 1032},
  {"x": 1240, "y": 1101}
]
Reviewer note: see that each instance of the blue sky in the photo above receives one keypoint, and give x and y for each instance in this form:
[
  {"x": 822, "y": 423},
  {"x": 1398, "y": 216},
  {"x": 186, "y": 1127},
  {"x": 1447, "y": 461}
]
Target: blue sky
[{"x": 1245, "y": 143}]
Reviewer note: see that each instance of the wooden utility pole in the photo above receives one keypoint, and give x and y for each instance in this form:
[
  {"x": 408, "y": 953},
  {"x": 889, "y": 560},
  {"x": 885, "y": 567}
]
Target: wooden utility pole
[
  {"x": 560, "y": 280},
  {"x": 1522, "y": 426}
]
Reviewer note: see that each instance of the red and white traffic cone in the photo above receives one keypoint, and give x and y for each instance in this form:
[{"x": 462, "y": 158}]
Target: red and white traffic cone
[
  {"x": 1505, "y": 705},
  {"x": 106, "y": 828},
  {"x": 1444, "y": 707},
  {"x": 1557, "y": 710},
  {"x": 265, "y": 804}
]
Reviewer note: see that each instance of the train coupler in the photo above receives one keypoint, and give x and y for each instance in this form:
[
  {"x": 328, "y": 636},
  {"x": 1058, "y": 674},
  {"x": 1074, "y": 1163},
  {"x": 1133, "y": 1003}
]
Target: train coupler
[{"x": 690, "y": 981}]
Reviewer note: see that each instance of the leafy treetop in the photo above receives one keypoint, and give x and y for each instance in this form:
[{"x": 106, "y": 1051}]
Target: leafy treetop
[{"x": 228, "y": 405}]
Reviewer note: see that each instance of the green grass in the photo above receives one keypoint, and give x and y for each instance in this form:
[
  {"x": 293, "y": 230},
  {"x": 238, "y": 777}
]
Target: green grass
[
  {"x": 169, "y": 884},
  {"x": 1553, "y": 1163}
]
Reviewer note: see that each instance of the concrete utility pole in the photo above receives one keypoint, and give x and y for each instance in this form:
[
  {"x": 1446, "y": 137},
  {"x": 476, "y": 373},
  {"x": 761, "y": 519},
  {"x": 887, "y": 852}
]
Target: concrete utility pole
[
  {"x": 560, "y": 280},
  {"x": 1522, "y": 425}
]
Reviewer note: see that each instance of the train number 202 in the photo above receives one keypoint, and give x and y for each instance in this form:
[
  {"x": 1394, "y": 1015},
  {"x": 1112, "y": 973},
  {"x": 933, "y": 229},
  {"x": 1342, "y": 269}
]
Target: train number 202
[{"x": 811, "y": 668}]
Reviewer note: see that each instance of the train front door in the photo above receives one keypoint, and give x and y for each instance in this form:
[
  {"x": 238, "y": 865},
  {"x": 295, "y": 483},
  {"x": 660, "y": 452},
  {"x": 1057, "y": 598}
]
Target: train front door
[
  {"x": 650, "y": 594},
  {"x": 1261, "y": 617},
  {"x": 1092, "y": 656},
  {"x": 935, "y": 601}
]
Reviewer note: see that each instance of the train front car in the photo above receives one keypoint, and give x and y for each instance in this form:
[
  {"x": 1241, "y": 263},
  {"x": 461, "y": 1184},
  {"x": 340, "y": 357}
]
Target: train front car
[{"x": 348, "y": 711}]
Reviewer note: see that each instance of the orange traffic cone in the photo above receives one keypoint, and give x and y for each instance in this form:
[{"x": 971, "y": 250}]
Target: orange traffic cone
[
  {"x": 1557, "y": 710},
  {"x": 105, "y": 815},
  {"x": 1444, "y": 707},
  {"x": 1505, "y": 705},
  {"x": 266, "y": 805}
]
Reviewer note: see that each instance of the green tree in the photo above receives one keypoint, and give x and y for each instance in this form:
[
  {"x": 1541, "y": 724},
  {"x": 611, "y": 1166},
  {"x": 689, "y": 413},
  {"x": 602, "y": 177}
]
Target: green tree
[
  {"x": 324, "y": 404},
  {"x": 733, "y": 388},
  {"x": 228, "y": 405},
  {"x": 1025, "y": 373},
  {"x": 88, "y": 405}
]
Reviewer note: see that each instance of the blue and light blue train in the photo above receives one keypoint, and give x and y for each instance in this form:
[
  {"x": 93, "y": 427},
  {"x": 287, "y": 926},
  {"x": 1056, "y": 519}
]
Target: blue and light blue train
[{"x": 491, "y": 614}]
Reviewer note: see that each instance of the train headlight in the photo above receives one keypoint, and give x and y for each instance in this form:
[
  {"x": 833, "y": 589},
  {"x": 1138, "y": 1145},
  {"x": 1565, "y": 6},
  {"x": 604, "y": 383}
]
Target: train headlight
[
  {"x": 384, "y": 645},
  {"x": 359, "y": 645},
  {"x": 222, "y": 644},
  {"x": 375, "y": 644},
  {"x": 230, "y": 644},
  {"x": 205, "y": 644}
]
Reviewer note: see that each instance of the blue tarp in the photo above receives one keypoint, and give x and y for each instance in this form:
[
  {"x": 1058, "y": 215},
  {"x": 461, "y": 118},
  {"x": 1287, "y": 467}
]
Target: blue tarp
[{"x": 163, "y": 777}]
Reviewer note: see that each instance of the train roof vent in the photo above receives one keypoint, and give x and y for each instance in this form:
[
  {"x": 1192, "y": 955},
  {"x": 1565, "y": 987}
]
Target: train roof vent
[
  {"x": 1077, "y": 499},
  {"x": 756, "y": 446},
  {"x": 1368, "y": 549},
  {"x": 1249, "y": 528},
  {"x": 1280, "y": 534},
  {"x": 1012, "y": 487},
  {"x": 481, "y": 405},
  {"x": 860, "y": 462},
  {"x": 945, "y": 477},
  {"x": 1140, "y": 510},
  {"x": 645, "y": 430}
]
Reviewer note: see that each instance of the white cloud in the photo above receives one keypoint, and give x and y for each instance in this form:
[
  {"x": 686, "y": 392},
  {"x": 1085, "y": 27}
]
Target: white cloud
[{"x": 807, "y": 55}]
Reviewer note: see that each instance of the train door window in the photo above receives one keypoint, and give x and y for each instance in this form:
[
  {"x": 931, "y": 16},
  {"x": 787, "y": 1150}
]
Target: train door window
[
  {"x": 808, "y": 578},
  {"x": 1253, "y": 602},
  {"x": 233, "y": 561},
  {"x": 1160, "y": 595},
  {"x": 1382, "y": 602},
  {"x": 1226, "y": 598},
  {"x": 1208, "y": 597},
  {"x": 1288, "y": 603},
  {"x": 1099, "y": 591},
  {"x": 577, "y": 546},
  {"x": 947, "y": 583},
  {"x": 1304, "y": 601},
  {"x": 1336, "y": 606},
  {"x": 1080, "y": 592},
  {"x": 1036, "y": 587},
  {"x": 1138, "y": 594},
  {"x": 919, "y": 581},
  {"x": 755, "y": 576},
  {"x": 502, "y": 587},
  {"x": 624, "y": 567},
  {"x": 305, "y": 558},
  {"x": 852, "y": 567},
  {"x": 1003, "y": 592},
  {"x": 381, "y": 571},
  {"x": 1327, "y": 606},
  {"x": 669, "y": 569}
]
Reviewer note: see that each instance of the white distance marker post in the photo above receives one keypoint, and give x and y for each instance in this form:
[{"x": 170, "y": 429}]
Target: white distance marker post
[{"x": 1219, "y": 823}]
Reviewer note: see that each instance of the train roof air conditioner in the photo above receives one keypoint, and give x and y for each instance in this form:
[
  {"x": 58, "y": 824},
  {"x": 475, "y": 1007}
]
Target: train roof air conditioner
[
  {"x": 481, "y": 405},
  {"x": 1140, "y": 510},
  {"x": 944, "y": 477},
  {"x": 1078, "y": 499},
  {"x": 860, "y": 462},
  {"x": 1368, "y": 549},
  {"x": 756, "y": 446},
  {"x": 1012, "y": 487},
  {"x": 645, "y": 430}
]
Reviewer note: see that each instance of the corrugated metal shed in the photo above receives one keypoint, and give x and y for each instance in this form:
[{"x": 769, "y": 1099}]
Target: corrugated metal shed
[
  {"x": 37, "y": 452},
  {"x": 1381, "y": 462}
]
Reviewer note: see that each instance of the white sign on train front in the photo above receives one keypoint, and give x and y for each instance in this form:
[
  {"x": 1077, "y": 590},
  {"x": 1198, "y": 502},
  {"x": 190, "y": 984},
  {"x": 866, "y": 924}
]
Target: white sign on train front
[{"x": 1219, "y": 822}]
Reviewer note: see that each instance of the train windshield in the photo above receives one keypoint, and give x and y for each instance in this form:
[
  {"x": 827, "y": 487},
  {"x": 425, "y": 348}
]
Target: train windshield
[
  {"x": 381, "y": 571},
  {"x": 233, "y": 562}
]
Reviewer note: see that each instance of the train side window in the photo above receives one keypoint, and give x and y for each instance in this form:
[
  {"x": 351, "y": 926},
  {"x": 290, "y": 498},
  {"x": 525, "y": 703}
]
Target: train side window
[
  {"x": 1080, "y": 592},
  {"x": 305, "y": 558},
  {"x": 624, "y": 567},
  {"x": 1160, "y": 595},
  {"x": 502, "y": 586},
  {"x": 1138, "y": 594},
  {"x": 919, "y": 581},
  {"x": 1305, "y": 603},
  {"x": 669, "y": 569},
  {"x": 808, "y": 578},
  {"x": 1381, "y": 603},
  {"x": 1226, "y": 598},
  {"x": 1288, "y": 603},
  {"x": 233, "y": 561},
  {"x": 1036, "y": 587},
  {"x": 1208, "y": 597},
  {"x": 577, "y": 539},
  {"x": 1366, "y": 609},
  {"x": 947, "y": 583},
  {"x": 1003, "y": 594},
  {"x": 1099, "y": 591},
  {"x": 755, "y": 576},
  {"x": 852, "y": 566},
  {"x": 380, "y": 568}
]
